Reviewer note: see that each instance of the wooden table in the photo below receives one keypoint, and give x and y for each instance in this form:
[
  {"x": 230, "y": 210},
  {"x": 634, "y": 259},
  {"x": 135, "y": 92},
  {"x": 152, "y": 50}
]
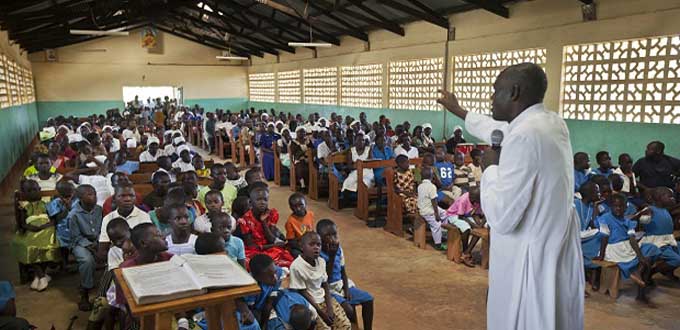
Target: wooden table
[{"x": 219, "y": 306}]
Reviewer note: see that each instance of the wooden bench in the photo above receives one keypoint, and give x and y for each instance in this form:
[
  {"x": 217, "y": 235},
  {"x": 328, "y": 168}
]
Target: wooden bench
[
  {"x": 334, "y": 185},
  {"x": 140, "y": 178},
  {"x": 280, "y": 171},
  {"x": 420, "y": 232},
  {"x": 318, "y": 184},
  {"x": 454, "y": 244},
  {"x": 365, "y": 194},
  {"x": 610, "y": 277},
  {"x": 148, "y": 167},
  {"x": 293, "y": 182},
  {"x": 484, "y": 235},
  {"x": 395, "y": 208}
]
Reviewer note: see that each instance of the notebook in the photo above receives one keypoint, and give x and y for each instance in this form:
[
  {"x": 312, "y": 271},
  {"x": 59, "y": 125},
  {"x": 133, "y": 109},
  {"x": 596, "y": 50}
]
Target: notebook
[{"x": 183, "y": 276}]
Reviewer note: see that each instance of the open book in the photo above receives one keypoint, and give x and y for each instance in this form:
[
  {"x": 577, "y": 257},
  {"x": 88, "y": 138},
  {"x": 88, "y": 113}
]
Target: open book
[{"x": 183, "y": 276}]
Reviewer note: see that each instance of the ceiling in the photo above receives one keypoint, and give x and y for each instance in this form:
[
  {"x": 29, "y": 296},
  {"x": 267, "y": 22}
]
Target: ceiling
[{"x": 245, "y": 27}]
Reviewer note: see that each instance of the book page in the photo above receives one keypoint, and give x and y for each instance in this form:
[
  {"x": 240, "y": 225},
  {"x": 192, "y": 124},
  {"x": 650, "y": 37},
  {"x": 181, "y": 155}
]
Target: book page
[
  {"x": 158, "y": 279},
  {"x": 217, "y": 271}
]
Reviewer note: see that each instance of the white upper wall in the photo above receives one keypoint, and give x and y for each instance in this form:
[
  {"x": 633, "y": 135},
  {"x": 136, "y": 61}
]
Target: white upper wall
[
  {"x": 549, "y": 24},
  {"x": 98, "y": 69}
]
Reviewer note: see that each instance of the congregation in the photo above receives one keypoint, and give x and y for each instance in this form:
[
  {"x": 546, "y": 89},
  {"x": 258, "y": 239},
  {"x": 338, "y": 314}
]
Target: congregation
[{"x": 124, "y": 189}]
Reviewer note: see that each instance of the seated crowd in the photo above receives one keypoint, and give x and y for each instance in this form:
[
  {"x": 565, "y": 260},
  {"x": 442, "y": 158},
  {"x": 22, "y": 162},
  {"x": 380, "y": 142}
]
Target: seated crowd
[{"x": 97, "y": 214}]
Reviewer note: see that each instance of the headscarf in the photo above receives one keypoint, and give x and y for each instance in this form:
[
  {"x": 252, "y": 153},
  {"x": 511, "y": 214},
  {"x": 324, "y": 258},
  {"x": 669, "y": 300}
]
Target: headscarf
[{"x": 455, "y": 128}]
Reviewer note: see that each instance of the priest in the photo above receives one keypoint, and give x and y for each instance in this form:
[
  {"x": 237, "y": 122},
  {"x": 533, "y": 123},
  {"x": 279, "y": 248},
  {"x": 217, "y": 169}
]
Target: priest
[{"x": 536, "y": 278}]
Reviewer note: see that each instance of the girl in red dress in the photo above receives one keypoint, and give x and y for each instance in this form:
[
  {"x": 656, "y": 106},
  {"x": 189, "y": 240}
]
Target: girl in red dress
[{"x": 258, "y": 229}]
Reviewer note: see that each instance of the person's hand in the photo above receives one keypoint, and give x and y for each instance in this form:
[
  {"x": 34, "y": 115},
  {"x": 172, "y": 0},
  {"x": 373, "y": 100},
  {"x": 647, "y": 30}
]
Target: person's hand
[
  {"x": 348, "y": 295},
  {"x": 645, "y": 261},
  {"x": 325, "y": 317},
  {"x": 598, "y": 258},
  {"x": 489, "y": 158},
  {"x": 437, "y": 217},
  {"x": 329, "y": 312},
  {"x": 448, "y": 100},
  {"x": 333, "y": 248}
]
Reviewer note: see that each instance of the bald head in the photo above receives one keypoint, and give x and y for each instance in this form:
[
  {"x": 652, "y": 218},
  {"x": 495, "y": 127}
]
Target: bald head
[{"x": 517, "y": 88}]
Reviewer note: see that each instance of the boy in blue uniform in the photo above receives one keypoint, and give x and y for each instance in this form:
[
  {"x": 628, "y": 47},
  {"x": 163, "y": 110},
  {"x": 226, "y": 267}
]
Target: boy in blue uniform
[
  {"x": 587, "y": 211},
  {"x": 581, "y": 169},
  {"x": 447, "y": 192},
  {"x": 659, "y": 231},
  {"x": 272, "y": 299},
  {"x": 342, "y": 288},
  {"x": 620, "y": 245},
  {"x": 604, "y": 161}
]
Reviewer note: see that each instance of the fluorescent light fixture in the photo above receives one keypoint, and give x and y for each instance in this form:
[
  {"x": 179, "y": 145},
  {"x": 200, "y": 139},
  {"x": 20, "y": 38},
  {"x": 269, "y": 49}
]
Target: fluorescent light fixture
[
  {"x": 309, "y": 44},
  {"x": 234, "y": 58},
  {"x": 100, "y": 33}
]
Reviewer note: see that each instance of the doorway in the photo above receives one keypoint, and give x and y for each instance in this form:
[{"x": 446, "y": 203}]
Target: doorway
[{"x": 152, "y": 92}]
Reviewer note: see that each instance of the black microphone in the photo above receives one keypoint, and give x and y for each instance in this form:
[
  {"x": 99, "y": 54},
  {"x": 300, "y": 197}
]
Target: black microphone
[{"x": 496, "y": 139}]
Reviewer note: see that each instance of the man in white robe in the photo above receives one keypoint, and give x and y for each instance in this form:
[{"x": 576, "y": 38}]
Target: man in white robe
[{"x": 536, "y": 276}]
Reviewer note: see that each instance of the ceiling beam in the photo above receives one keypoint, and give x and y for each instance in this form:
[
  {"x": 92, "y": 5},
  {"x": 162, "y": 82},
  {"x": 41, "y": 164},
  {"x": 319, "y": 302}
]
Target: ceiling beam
[
  {"x": 427, "y": 16},
  {"x": 56, "y": 42},
  {"x": 217, "y": 42},
  {"x": 492, "y": 6},
  {"x": 351, "y": 30},
  {"x": 196, "y": 39},
  {"x": 381, "y": 20}
]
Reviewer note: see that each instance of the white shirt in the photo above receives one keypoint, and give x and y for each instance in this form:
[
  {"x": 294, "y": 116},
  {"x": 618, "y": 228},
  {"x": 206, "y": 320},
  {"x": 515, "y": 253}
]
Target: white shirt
[
  {"x": 202, "y": 224},
  {"x": 49, "y": 184},
  {"x": 427, "y": 191},
  {"x": 411, "y": 153},
  {"x": 114, "y": 257},
  {"x": 101, "y": 184},
  {"x": 169, "y": 149},
  {"x": 626, "y": 180},
  {"x": 182, "y": 248},
  {"x": 305, "y": 276},
  {"x": 135, "y": 217},
  {"x": 536, "y": 278},
  {"x": 183, "y": 166},
  {"x": 146, "y": 157},
  {"x": 322, "y": 151}
]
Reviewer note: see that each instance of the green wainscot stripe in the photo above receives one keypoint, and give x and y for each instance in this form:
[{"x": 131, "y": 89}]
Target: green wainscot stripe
[{"x": 18, "y": 126}]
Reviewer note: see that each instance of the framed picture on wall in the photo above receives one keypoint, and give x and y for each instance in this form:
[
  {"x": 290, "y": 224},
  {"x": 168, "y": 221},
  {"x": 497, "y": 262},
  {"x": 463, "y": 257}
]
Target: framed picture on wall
[{"x": 51, "y": 55}]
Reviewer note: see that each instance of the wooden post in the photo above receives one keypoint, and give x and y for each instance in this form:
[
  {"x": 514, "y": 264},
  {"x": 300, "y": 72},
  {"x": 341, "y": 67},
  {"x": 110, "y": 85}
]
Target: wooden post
[
  {"x": 454, "y": 245},
  {"x": 293, "y": 181}
]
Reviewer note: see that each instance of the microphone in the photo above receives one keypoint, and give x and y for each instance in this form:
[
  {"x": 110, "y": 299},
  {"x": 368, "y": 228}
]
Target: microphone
[{"x": 496, "y": 139}]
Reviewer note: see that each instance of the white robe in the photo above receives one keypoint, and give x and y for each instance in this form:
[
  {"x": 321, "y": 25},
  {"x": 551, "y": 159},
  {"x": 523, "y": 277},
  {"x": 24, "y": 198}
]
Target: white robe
[{"x": 536, "y": 278}]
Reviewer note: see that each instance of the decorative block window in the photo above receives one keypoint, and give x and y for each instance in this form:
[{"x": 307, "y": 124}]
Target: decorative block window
[
  {"x": 321, "y": 85},
  {"x": 636, "y": 80},
  {"x": 12, "y": 82},
  {"x": 288, "y": 86},
  {"x": 4, "y": 88},
  {"x": 23, "y": 90},
  {"x": 261, "y": 87},
  {"x": 361, "y": 86},
  {"x": 30, "y": 89},
  {"x": 474, "y": 75},
  {"x": 413, "y": 84}
]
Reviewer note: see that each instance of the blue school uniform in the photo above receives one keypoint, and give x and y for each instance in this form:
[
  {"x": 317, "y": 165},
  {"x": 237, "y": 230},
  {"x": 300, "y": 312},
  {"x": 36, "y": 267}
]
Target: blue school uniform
[
  {"x": 384, "y": 154},
  {"x": 283, "y": 301},
  {"x": 618, "y": 248},
  {"x": 581, "y": 177},
  {"x": 605, "y": 173},
  {"x": 128, "y": 167},
  {"x": 590, "y": 246},
  {"x": 53, "y": 208},
  {"x": 335, "y": 280},
  {"x": 605, "y": 208},
  {"x": 446, "y": 175},
  {"x": 235, "y": 248},
  {"x": 660, "y": 233}
]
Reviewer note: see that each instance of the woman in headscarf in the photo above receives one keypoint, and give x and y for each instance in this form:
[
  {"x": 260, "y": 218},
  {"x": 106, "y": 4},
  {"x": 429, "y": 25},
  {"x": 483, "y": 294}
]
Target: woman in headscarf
[
  {"x": 454, "y": 140},
  {"x": 267, "y": 141}
]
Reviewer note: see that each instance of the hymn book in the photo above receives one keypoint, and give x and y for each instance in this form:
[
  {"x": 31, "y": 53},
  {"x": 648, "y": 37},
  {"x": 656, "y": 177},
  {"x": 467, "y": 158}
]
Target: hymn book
[{"x": 183, "y": 276}]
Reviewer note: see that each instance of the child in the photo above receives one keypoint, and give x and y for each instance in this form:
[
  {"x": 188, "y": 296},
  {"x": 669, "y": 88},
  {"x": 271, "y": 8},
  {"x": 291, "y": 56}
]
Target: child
[
  {"x": 58, "y": 210},
  {"x": 181, "y": 240},
  {"x": 620, "y": 245},
  {"x": 239, "y": 208},
  {"x": 299, "y": 222},
  {"x": 343, "y": 289},
  {"x": 308, "y": 276},
  {"x": 273, "y": 306},
  {"x": 587, "y": 209},
  {"x": 462, "y": 174},
  {"x": 605, "y": 163},
  {"x": 582, "y": 171},
  {"x": 219, "y": 176},
  {"x": 199, "y": 166},
  {"x": 233, "y": 177},
  {"x": 659, "y": 231},
  {"x": 8, "y": 309},
  {"x": 184, "y": 163},
  {"x": 214, "y": 204},
  {"x": 467, "y": 208},
  {"x": 625, "y": 169},
  {"x": 165, "y": 165},
  {"x": 476, "y": 165},
  {"x": 258, "y": 229},
  {"x": 160, "y": 181},
  {"x": 35, "y": 242},
  {"x": 222, "y": 225},
  {"x": 46, "y": 179},
  {"x": 301, "y": 318},
  {"x": 405, "y": 185},
  {"x": 447, "y": 192},
  {"x": 85, "y": 221},
  {"x": 434, "y": 215}
]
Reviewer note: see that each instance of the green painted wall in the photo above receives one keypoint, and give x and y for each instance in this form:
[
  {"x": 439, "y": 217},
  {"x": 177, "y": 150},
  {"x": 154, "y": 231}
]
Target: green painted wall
[
  {"x": 18, "y": 126},
  {"x": 47, "y": 109},
  {"x": 588, "y": 136}
]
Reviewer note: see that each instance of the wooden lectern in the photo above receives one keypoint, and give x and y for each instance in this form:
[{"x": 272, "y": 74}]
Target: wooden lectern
[{"x": 219, "y": 306}]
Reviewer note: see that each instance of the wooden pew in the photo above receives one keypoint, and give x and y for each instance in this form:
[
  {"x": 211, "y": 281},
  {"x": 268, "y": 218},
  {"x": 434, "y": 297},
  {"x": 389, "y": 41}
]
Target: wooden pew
[
  {"x": 395, "y": 217},
  {"x": 139, "y": 178},
  {"x": 293, "y": 182},
  {"x": 280, "y": 171},
  {"x": 219, "y": 144},
  {"x": 315, "y": 178},
  {"x": 484, "y": 235},
  {"x": 143, "y": 188},
  {"x": 365, "y": 194},
  {"x": 334, "y": 185},
  {"x": 148, "y": 167},
  {"x": 203, "y": 181},
  {"x": 610, "y": 278}
]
